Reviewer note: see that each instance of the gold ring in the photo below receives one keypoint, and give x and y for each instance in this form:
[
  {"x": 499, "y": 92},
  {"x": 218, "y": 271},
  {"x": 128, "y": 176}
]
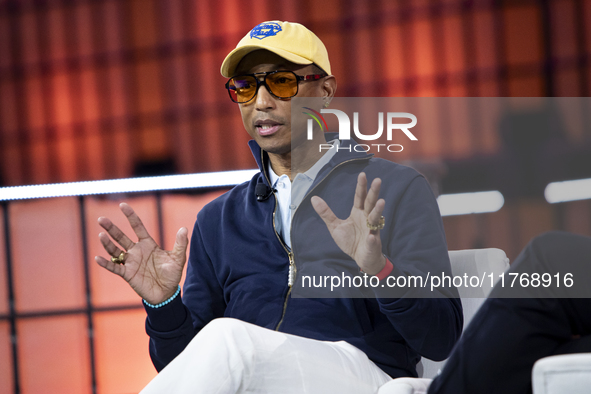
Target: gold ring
[
  {"x": 379, "y": 226},
  {"x": 120, "y": 259}
]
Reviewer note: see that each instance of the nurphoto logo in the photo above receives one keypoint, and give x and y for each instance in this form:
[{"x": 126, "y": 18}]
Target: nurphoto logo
[{"x": 392, "y": 119}]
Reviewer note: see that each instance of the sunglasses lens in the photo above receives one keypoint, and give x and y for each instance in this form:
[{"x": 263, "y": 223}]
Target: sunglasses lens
[
  {"x": 283, "y": 84},
  {"x": 242, "y": 88}
]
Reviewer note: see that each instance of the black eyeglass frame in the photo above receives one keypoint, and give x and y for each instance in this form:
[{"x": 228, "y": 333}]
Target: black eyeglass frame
[{"x": 257, "y": 77}]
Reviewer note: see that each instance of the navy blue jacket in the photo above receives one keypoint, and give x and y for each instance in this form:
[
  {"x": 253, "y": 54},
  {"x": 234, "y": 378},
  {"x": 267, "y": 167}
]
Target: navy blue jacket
[{"x": 238, "y": 267}]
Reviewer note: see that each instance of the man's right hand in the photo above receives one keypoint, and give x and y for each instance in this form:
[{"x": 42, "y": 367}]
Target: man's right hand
[{"x": 153, "y": 273}]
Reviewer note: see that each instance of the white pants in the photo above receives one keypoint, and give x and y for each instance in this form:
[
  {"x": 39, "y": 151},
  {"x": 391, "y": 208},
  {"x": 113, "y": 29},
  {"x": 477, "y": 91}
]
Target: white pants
[{"x": 231, "y": 356}]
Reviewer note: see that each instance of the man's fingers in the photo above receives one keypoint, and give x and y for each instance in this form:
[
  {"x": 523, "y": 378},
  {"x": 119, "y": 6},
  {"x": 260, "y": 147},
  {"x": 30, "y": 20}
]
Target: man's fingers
[
  {"x": 109, "y": 246},
  {"x": 376, "y": 213},
  {"x": 117, "y": 269},
  {"x": 324, "y": 211},
  {"x": 116, "y": 233},
  {"x": 372, "y": 196},
  {"x": 134, "y": 221},
  {"x": 360, "y": 191},
  {"x": 180, "y": 244}
]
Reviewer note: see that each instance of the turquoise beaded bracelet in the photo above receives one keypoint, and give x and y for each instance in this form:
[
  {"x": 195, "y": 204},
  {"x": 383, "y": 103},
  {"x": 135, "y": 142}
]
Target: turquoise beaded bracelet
[{"x": 178, "y": 290}]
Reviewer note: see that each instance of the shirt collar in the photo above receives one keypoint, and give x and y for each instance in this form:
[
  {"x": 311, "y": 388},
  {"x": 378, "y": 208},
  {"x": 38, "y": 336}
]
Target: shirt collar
[{"x": 274, "y": 177}]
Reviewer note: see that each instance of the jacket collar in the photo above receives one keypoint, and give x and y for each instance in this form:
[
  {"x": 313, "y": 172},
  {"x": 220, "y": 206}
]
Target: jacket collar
[{"x": 262, "y": 158}]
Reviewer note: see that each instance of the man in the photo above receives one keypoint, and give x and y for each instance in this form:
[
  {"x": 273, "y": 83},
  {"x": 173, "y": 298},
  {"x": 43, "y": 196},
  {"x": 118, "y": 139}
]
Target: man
[{"x": 250, "y": 246}]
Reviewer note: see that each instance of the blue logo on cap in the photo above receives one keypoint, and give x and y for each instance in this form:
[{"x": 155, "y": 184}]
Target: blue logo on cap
[{"x": 265, "y": 29}]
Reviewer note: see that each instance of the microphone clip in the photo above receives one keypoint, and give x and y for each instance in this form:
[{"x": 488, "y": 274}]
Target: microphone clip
[{"x": 263, "y": 192}]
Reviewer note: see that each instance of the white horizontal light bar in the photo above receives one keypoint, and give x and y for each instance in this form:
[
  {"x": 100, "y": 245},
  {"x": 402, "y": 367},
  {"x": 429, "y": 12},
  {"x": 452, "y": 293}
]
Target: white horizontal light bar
[
  {"x": 467, "y": 203},
  {"x": 568, "y": 191},
  {"x": 128, "y": 185},
  {"x": 449, "y": 204}
]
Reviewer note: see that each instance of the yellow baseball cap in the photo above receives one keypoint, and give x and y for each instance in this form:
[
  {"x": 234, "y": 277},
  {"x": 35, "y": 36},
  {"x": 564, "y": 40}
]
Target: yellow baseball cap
[{"x": 291, "y": 41}]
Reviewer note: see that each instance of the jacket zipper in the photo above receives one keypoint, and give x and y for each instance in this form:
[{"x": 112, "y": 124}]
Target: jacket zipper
[
  {"x": 292, "y": 269},
  {"x": 292, "y": 266},
  {"x": 292, "y": 273}
]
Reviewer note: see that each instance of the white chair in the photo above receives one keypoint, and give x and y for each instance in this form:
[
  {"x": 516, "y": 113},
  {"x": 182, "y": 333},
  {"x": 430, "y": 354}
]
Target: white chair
[
  {"x": 473, "y": 262},
  {"x": 567, "y": 373}
]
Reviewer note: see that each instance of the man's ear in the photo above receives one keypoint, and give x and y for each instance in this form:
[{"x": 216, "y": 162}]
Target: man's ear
[{"x": 329, "y": 87}]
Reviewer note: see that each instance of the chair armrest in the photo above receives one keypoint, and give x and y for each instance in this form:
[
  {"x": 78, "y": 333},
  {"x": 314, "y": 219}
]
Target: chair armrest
[
  {"x": 405, "y": 386},
  {"x": 566, "y": 373}
]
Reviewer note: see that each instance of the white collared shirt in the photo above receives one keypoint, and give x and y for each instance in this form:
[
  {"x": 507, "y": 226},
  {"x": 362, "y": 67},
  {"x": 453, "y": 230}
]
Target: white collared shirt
[{"x": 290, "y": 195}]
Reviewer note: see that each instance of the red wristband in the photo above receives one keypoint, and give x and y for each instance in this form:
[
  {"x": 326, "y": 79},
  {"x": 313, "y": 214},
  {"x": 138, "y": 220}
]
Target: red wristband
[{"x": 386, "y": 270}]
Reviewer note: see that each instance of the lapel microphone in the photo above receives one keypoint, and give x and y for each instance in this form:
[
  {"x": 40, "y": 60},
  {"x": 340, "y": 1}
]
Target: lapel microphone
[{"x": 263, "y": 192}]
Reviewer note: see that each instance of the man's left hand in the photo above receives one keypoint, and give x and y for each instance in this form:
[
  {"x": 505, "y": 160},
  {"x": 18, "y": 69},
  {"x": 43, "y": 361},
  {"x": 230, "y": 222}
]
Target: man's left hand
[{"x": 353, "y": 235}]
